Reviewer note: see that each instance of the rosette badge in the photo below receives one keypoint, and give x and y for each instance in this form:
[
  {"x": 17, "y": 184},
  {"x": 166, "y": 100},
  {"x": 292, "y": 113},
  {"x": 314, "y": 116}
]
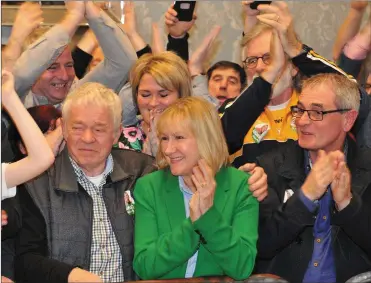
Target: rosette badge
[{"x": 129, "y": 203}]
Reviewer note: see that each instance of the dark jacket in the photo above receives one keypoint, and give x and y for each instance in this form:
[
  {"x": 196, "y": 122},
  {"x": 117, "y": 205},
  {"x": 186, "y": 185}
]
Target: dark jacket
[
  {"x": 286, "y": 229},
  {"x": 57, "y": 215}
]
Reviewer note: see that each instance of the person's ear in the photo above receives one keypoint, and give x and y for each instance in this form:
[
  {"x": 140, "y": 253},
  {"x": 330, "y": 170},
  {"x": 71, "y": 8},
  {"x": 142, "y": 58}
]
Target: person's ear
[
  {"x": 117, "y": 134},
  {"x": 349, "y": 120}
]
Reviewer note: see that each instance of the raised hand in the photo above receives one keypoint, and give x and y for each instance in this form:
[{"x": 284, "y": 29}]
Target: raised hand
[
  {"x": 258, "y": 182},
  {"x": 130, "y": 26},
  {"x": 55, "y": 138},
  {"x": 177, "y": 28},
  {"x": 341, "y": 186},
  {"x": 157, "y": 42},
  {"x": 249, "y": 15},
  {"x": 7, "y": 86},
  {"x": 322, "y": 174},
  {"x": 359, "y": 5},
  {"x": 28, "y": 18},
  {"x": 204, "y": 181},
  {"x": 279, "y": 17},
  {"x": 75, "y": 8},
  {"x": 199, "y": 56},
  {"x": 278, "y": 60}
]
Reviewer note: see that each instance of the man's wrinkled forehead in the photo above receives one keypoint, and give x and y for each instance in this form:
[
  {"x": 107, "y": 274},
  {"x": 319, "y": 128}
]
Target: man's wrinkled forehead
[{"x": 259, "y": 45}]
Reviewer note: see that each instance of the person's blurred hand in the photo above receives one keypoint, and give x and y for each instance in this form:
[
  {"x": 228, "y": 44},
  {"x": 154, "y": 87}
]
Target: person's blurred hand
[
  {"x": 130, "y": 26},
  {"x": 157, "y": 42},
  {"x": 177, "y": 28},
  {"x": 258, "y": 181},
  {"x": 76, "y": 8},
  {"x": 55, "y": 138},
  {"x": 28, "y": 18},
  {"x": 7, "y": 86},
  {"x": 4, "y": 218},
  {"x": 200, "y": 55},
  {"x": 359, "y": 5},
  {"x": 247, "y": 10},
  {"x": 279, "y": 17}
]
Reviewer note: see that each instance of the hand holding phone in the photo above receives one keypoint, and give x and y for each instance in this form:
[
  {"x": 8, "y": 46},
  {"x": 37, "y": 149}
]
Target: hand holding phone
[
  {"x": 184, "y": 10},
  {"x": 254, "y": 5}
]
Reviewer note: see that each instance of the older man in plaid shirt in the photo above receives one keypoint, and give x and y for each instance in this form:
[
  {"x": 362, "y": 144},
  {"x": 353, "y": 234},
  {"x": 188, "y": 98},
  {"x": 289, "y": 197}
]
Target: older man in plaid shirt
[{"x": 77, "y": 216}]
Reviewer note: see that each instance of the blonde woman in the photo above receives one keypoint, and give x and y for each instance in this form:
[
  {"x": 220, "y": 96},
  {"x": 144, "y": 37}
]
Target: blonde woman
[{"x": 196, "y": 215}]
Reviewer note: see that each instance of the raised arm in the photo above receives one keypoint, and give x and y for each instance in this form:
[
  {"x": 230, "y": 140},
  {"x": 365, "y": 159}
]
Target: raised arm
[
  {"x": 28, "y": 18},
  {"x": 239, "y": 116},
  {"x": 119, "y": 54},
  {"x": 40, "y": 156},
  {"x": 42, "y": 53},
  {"x": 178, "y": 33},
  {"x": 349, "y": 27}
]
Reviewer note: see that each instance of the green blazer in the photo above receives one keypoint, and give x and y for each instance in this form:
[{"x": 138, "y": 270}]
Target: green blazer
[{"x": 165, "y": 239}]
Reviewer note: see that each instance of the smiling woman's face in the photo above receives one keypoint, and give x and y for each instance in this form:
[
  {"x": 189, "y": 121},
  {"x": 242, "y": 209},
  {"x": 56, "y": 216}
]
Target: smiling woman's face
[{"x": 152, "y": 97}]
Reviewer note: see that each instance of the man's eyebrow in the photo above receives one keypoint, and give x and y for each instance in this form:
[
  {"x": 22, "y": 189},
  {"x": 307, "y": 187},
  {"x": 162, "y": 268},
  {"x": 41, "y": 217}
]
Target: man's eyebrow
[{"x": 317, "y": 105}]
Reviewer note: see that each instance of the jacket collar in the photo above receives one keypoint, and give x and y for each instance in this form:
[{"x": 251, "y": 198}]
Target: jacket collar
[{"x": 64, "y": 178}]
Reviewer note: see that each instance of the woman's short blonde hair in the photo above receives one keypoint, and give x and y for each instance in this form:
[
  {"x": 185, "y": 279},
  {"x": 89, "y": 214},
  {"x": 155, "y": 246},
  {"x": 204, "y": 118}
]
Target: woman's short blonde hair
[
  {"x": 202, "y": 119},
  {"x": 168, "y": 70},
  {"x": 94, "y": 94}
]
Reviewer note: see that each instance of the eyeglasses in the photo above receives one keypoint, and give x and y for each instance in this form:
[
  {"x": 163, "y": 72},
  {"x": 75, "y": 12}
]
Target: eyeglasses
[
  {"x": 314, "y": 115},
  {"x": 251, "y": 62}
]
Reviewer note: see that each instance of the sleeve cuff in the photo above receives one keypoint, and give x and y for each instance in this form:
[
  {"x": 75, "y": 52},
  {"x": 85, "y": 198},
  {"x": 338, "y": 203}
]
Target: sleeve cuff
[{"x": 310, "y": 205}]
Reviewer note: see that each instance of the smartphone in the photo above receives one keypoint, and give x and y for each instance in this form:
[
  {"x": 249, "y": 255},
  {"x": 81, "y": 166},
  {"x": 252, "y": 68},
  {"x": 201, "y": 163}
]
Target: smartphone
[
  {"x": 185, "y": 10},
  {"x": 254, "y": 5}
]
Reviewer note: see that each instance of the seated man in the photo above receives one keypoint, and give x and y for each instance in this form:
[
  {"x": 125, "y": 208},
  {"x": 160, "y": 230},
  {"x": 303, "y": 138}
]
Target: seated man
[
  {"x": 315, "y": 225},
  {"x": 77, "y": 222},
  {"x": 50, "y": 79}
]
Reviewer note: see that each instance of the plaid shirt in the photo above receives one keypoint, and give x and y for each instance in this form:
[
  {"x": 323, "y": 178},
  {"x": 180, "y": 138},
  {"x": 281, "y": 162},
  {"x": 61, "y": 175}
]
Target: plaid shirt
[{"x": 105, "y": 253}]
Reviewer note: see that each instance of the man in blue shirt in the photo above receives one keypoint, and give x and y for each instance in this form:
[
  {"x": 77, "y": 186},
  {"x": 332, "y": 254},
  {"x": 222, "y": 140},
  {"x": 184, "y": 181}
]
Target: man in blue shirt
[{"x": 315, "y": 225}]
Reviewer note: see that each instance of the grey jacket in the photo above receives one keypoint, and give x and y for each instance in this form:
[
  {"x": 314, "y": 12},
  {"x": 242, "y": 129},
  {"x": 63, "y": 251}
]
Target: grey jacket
[
  {"x": 66, "y": 211},
  {"x": 119, "y": 56}
]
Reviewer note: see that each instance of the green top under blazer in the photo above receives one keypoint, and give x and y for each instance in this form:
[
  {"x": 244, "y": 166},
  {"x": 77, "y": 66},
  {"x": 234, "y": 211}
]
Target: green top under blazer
[{"x": 165, "y": 239}]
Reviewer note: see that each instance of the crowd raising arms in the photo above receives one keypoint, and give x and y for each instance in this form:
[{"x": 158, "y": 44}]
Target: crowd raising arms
[{"x": 163, "y": 86}]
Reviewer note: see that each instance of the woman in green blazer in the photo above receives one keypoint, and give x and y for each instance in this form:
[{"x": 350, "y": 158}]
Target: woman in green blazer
[{"x": 196, "y": 216}]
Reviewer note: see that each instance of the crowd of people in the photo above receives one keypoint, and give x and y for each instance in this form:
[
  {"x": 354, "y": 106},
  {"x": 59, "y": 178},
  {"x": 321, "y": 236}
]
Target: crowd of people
[{"x": 133, "y": 161}]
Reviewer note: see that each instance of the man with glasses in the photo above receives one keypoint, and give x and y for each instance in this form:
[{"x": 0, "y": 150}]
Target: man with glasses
[
  {"x": 275, "y": 126},
  {"x": 315, "y": 225}
]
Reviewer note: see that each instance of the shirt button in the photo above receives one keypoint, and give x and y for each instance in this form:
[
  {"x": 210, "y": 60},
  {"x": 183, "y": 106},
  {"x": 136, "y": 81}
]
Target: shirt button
[
  {"x": 324, "y": 217},
  {"x": 101, "y": 273},
  {"x": 101, "y": 219},
  {"x": 318, "y": 240},
  {"x": 102, "y": 246},
  {"x": 315, "y": 264}
]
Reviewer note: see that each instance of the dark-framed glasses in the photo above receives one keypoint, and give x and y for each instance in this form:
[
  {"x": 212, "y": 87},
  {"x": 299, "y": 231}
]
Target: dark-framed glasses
[
  {"x": 314, "y": 115},
  {"x": 251, "y": 62}
]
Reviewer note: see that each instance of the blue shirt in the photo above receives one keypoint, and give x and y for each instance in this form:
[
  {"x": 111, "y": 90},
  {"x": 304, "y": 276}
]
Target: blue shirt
[
  {"x": 187, "y": 195},
  {"x": 321, "y": 267}
]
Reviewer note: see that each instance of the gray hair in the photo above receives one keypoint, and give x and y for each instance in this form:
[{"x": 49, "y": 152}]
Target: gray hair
[
  {"x": 346, "y": 90},
  {"x": 96, "y": 94}
]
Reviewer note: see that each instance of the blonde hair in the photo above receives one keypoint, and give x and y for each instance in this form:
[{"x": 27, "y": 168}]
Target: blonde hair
[
  {"x": 96, "y": 94},
  {"x": 201, "y": 118},
  {"x": 346, "y": 90},
  {"x": 168, "y": 70},
  {"x": 255, "y": 31}
]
